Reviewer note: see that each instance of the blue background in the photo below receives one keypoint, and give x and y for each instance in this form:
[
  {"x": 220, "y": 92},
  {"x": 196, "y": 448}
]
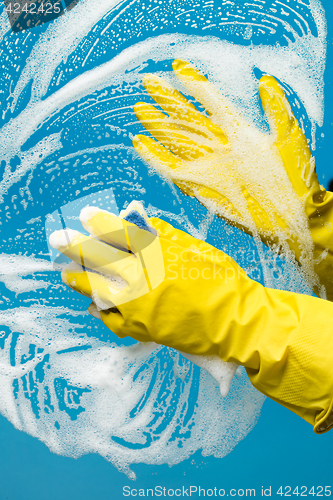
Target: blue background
[{"x": 281, "y": 450}]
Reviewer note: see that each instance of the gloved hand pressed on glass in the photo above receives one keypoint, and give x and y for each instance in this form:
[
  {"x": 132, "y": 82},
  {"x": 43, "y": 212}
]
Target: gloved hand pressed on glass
[
  {"x": 262, "y": 183},
  {"x": 203, "y": 303}
]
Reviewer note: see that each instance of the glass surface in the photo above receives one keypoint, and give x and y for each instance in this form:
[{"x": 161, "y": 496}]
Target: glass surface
[{"x": 83, "y": 412}]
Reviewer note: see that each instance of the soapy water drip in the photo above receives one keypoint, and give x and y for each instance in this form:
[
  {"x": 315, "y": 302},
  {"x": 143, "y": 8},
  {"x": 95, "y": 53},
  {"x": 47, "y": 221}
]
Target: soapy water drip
[{"x": 67, "y": 124}]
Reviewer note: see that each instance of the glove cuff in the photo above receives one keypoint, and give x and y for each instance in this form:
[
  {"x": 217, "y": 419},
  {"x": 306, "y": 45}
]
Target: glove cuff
[{"x": 296, "y": 369}]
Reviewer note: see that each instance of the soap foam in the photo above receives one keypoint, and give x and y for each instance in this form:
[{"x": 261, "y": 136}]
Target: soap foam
[
  {"x": 95, "y": 397},
  {"x": 222, "y": 371}
]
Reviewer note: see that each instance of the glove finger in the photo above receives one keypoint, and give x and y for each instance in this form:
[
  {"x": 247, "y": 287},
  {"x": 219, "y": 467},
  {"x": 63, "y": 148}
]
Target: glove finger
[
  {"x": 271, "y": 228},
  {"x": 114, "y": 321},
  {"x": 290, "y": 139},
  {"x": 205, "y": 92},
  {"x": 259, "y": 215},
  {"x": 161, "y": 159},
  {"x": 111, "y": 291},
  {"x": 223, "y": 206},
  {"x": 111, "y": 318},
  {"x": 168, "y": 133},
  {"x": 115, "y": 231},
  {"x": 166, "y": 163},
  {"x": 92, "y": 309},
  {"x": 94, "y": 254},
  {"x": 101, "y": 289},
  {"x": 148, "y": 271},
  {"x": 215, "y": 201},
  {"x": 277, "y": 108},
  {"x": 181, "y": 110},
  {"x": 105, "y": 226},
  {"x": 156, "y": 155}
]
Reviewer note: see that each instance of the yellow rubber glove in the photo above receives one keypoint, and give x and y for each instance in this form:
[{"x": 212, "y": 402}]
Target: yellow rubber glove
[
  {"x": 206, "y": 305},
  {"x": 262, "y": 183}
]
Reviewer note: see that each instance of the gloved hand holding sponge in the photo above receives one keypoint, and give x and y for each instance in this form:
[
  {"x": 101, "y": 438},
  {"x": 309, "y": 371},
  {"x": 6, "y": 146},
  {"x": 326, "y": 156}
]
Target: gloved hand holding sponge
[
  {"x": 204, "y": 304},
  {"x": 153, "y": 282}
]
